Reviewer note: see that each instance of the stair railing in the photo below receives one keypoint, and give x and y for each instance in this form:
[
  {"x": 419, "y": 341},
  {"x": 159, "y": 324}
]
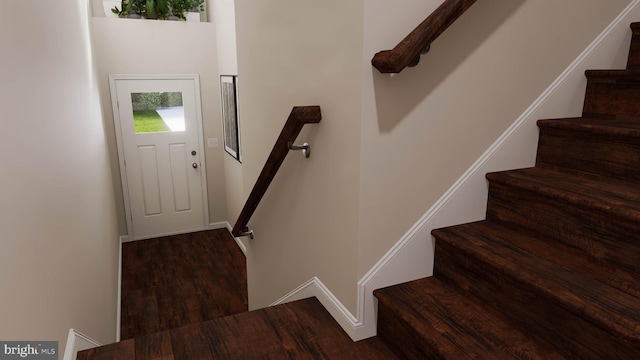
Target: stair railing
[
  {"x": 300, "y": 116},
  {"x": 407, "y": 52}
]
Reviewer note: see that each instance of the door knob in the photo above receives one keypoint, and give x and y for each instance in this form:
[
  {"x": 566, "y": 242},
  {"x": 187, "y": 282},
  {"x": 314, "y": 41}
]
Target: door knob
[{"x": 195, "y": 165}]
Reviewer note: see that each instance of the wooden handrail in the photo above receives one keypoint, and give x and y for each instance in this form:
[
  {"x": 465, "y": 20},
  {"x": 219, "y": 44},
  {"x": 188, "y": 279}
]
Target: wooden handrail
[
  {"x": 407, "y": 52},
  {"x": 300, "y": 115}
]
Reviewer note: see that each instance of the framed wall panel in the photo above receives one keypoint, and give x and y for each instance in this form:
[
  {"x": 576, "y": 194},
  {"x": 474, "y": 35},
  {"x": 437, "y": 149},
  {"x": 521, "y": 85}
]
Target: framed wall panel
[{"x": 230, "y": 124}]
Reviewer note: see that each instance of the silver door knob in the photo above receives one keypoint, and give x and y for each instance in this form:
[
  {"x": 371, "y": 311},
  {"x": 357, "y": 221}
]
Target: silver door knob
[{"x": 195, "y": 165}]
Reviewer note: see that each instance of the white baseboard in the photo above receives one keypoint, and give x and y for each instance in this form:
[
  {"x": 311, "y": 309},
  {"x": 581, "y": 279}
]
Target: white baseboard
[
  {"x": 210, "y": 226},
  {"x": 412, "y": 256},
  {"x": 119, "y": 299},
  {"x": 315, "y": 287},
  {"x": 219, "y": 225},
  {"x": 77, "y": 341}
]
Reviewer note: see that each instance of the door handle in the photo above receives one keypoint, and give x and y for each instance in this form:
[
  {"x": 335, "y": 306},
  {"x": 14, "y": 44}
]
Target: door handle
[{"x": 195, "y": 165}]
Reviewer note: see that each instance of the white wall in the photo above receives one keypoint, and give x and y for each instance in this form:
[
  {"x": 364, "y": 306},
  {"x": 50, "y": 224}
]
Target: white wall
[
  {"x": 294, "y": 53},
  {"x": 58, "y": 263},
  {"x": 128, "y": 46},
  {"x": 223, "y": 15}
]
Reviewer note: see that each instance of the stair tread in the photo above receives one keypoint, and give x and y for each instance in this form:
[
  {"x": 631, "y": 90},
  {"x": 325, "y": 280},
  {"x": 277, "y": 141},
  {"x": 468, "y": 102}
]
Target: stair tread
[
  {"x": 458, "y": 327},
  {"x": 558, "y": 253},
  {"x": 614, "y": 196},
  {"x": 623, "y": 126},
  {"x": 609, "y": 300},
  {"x": 301, "y": 329}
]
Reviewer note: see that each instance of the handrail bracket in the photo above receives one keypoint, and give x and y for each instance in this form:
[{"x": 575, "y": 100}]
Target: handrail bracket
[
  {"x": 416, "y": 60},
  {"x": 246, "y": 232},
  {"x": 306, "y": 148}
]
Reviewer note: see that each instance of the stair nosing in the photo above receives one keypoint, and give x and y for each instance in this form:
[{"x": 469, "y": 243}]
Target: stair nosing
[{"x": 613, "y": 74}]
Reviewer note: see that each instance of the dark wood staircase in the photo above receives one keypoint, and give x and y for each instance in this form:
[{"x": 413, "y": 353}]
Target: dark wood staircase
[{"x": 552, "y": 273}]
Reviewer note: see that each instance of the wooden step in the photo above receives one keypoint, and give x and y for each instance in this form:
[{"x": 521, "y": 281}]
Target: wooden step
[
  {"x": 426, "y": 319},
  {"x": 554, "y": 251},
  {"x": 609, "y": 147},
  {"x": 298, "y": 330},
  {"x": 633, "y": 61},
  {"x": 612, "y": 93},
  {"x": 544, "y": 295},
  {"x": 598, "y": 215}
]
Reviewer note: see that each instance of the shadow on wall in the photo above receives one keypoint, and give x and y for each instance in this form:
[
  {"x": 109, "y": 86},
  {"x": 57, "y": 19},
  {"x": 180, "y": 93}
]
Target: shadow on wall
[{"x": 397, "y": 95}]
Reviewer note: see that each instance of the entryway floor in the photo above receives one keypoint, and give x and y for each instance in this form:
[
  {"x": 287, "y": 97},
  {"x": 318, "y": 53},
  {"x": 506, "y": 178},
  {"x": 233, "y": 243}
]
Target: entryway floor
[
  {"x": 179, "y": 280},
  {"x": 179, "y": 294}
]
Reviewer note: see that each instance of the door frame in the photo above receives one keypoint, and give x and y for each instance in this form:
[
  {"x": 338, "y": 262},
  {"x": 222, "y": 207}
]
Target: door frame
[{"x": 120, "y": 145}]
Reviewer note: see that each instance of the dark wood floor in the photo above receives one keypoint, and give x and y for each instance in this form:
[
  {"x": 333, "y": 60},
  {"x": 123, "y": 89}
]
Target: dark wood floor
[
  {"x": 297, "y": 330},
  {"x": 178, "y": 296},
  {"x": 179, "y": 280}
]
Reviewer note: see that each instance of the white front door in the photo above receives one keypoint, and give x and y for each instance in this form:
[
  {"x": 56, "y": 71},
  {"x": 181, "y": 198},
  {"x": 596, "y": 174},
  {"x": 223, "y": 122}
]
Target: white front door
[{"x": 158, "y": 126}]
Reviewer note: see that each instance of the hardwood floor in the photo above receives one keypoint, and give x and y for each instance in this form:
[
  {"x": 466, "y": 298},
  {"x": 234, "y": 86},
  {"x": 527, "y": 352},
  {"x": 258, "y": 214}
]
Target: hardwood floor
[
  {"x": 179, "y": 280},
  {"x": 185, "y": 297},
  {"x": 297, "y": 330}
]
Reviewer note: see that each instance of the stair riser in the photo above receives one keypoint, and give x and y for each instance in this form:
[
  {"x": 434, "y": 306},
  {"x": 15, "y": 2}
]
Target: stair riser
[
  {"x": 633, "y": 61},
  {"x": 613, "y": 156},
  {"x": 402, "y": 338},
  {"x": 597, "y": 233},
  {"x": 530, "y": 309},
  {"x": 607, "y": 97}
]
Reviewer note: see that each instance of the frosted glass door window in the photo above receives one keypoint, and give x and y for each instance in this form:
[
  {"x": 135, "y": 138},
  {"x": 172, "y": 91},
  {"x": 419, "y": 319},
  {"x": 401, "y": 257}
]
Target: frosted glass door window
[{"x": 157, "y": 112}]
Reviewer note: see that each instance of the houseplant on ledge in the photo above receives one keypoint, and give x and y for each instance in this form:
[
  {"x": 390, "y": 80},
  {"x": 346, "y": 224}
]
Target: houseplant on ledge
[
  {"x": 179, "y": 8},
  {"x": 158, "y": 9}
]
